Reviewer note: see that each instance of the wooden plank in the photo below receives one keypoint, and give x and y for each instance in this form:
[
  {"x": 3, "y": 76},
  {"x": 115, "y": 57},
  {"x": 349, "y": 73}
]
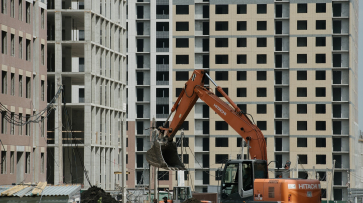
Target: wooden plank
[
  {"x": 39, "y": 188},
  {"x": 13, "y": 190}
]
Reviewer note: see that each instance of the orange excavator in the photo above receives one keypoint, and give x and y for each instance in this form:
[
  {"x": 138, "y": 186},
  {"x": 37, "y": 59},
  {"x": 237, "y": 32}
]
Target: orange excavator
[{"x": 242, "y": 180}]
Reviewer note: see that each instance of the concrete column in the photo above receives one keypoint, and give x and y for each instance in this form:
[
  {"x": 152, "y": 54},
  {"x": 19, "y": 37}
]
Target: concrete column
[
  {"x": 98, "y": 165},
  {"x": 103, "y": 167},
  {"x": 112, "y": 168},
  {"x": 87, "y": 137},
  {"x": 57, "y": 5},
  {"x": 58, "y": 150},
  {"x": 88, "y": 87},
  {"x": 88, "y": 21}
]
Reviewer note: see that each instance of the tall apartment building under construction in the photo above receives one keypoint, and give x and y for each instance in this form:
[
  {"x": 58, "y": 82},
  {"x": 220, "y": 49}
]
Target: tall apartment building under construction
[
  {"x": 87, "y": 57},
  {"x": 292, "y": 65}
]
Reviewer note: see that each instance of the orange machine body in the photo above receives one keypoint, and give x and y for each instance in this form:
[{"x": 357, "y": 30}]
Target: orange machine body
[{"x": 287, "y": 190}]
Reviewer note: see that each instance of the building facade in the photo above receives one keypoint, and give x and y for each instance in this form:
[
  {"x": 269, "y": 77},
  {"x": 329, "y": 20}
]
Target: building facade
[
  {"x": 23, "y": 82},
  {"x": 86, "y": 56},
  {"x": 292, "y": 65}
]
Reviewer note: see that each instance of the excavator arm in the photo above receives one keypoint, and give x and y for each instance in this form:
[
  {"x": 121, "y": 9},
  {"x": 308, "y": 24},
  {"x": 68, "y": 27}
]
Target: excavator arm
[{"x": 194, "y": 89}]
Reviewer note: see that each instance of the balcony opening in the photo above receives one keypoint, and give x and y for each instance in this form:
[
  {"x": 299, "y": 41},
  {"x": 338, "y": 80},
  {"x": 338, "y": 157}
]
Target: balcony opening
[
  {"x": 278, "y": 77},
  {"x": 140, "y": 12},
  {"x": 337, "y": 27},
  {"x": 206, "y": 11},
  {"x": 206, "y": 28},
  {"x": 139, "y": 163},
  {"x": 206, "y": 44},
  {"x": 337, "y": 10},
  {"x": 205, "y": 160},
  {"x": 205, "y": 127},
  {"x": 337, "y": 43},
  {"x": 278, "y": 144},
  {"x": 140, "y": 94},
  {"x": 337, "y": 127},
  {"x": 140, "y": 111},
  {"x": 278, "y": 61},
  {"x": 139, "y": 127},
  {"x": 278, "y": 10},
  {"x": 278, "y": 111},
  {"x": 278, "y": 44},
  {"x": 337, "y": 111},
  {"x": 206, "y": 61},
  {"x": 278, "y": 159},
  {"x": 139, "y": 144},
  {"x": 337, "y": 94},
  {"x": 140, "y": 28},
  {"x": 338, "y": 161},
  {"x": 278, "y": 128},
  {"x": 205, "y": 143},
  {"x": 140, "y": 78},
  {"x": 278, "y": 94},
  {"x": 140, "y": 45},
  {"x": 337, "y": 144},
  {"x": 337, "y": 60},
  {"x": 140, "y": 61},
  {"x": 278, "y": 27}
]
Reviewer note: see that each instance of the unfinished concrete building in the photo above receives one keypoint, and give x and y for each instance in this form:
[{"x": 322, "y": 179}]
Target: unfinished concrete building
[{"x": 86, "y": 55}]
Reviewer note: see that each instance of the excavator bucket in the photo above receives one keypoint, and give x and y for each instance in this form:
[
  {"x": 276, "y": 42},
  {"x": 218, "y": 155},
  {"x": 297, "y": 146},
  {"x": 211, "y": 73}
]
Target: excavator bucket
[{"x": 164, "y": 155}]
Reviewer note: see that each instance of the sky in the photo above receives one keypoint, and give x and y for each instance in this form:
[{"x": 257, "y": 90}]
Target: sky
[{"x": 360, "y": 65}]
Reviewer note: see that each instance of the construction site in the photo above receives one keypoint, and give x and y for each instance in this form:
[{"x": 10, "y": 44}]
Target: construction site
[{"x": 218, "y": 101}]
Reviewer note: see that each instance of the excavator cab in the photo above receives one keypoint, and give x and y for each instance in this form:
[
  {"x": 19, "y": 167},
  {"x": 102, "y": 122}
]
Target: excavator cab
[{"x": 238, "y": 179}]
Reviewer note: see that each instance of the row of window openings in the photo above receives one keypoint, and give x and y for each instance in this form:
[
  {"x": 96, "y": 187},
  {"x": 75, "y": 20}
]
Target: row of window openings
[
  {"x": 262, "y": 92},
  {"x": 320, "y": 159},
  {"x": 28, "y": 48},
  {"x": 303, "y": 142},
  {"x": 262, "y": 9},
  {"x": 222, "y": 26},
  {"x": 262, "y": 59},
  {"x": 22, "y": 120},
  {"x": 262, "y": 75},
  {"x": 262, "y": 42},
  {"x": 4, "y": 10},
  {"x": 4, "y": 85},
  {"x": 262, "y": 25},
  {"x": 21, "y": 161},
  {"x": 241, "y": 9},
  {"x": 262, "y": 125}
]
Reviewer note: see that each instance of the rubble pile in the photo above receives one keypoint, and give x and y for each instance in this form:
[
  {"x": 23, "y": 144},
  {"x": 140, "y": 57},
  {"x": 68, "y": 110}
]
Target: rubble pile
[{"x": 96, "y": 195}]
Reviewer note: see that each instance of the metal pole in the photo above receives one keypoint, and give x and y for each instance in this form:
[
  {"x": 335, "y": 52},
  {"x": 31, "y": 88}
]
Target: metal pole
[
  {"x": 156, "y": 192},
  {"x": 314, "y": 171},
  {"x": 297, "y": 167},
  {"x": 242, "y": 146},
  {"x": 214, "y": 83},
  {"x": 248, "y": 149}
]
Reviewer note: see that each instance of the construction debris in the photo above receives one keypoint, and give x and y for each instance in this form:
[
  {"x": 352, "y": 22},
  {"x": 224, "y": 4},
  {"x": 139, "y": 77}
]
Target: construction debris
[{"x": 95, "y": 194}]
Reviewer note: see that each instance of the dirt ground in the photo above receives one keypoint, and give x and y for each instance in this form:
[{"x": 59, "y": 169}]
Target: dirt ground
[
  {"x": 192, "y": 200},
  {"x": 93, "y": 194}
]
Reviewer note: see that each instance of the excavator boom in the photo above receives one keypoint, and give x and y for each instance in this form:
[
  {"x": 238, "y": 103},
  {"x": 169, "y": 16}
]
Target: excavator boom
[{"x": 194, "y": 89}]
